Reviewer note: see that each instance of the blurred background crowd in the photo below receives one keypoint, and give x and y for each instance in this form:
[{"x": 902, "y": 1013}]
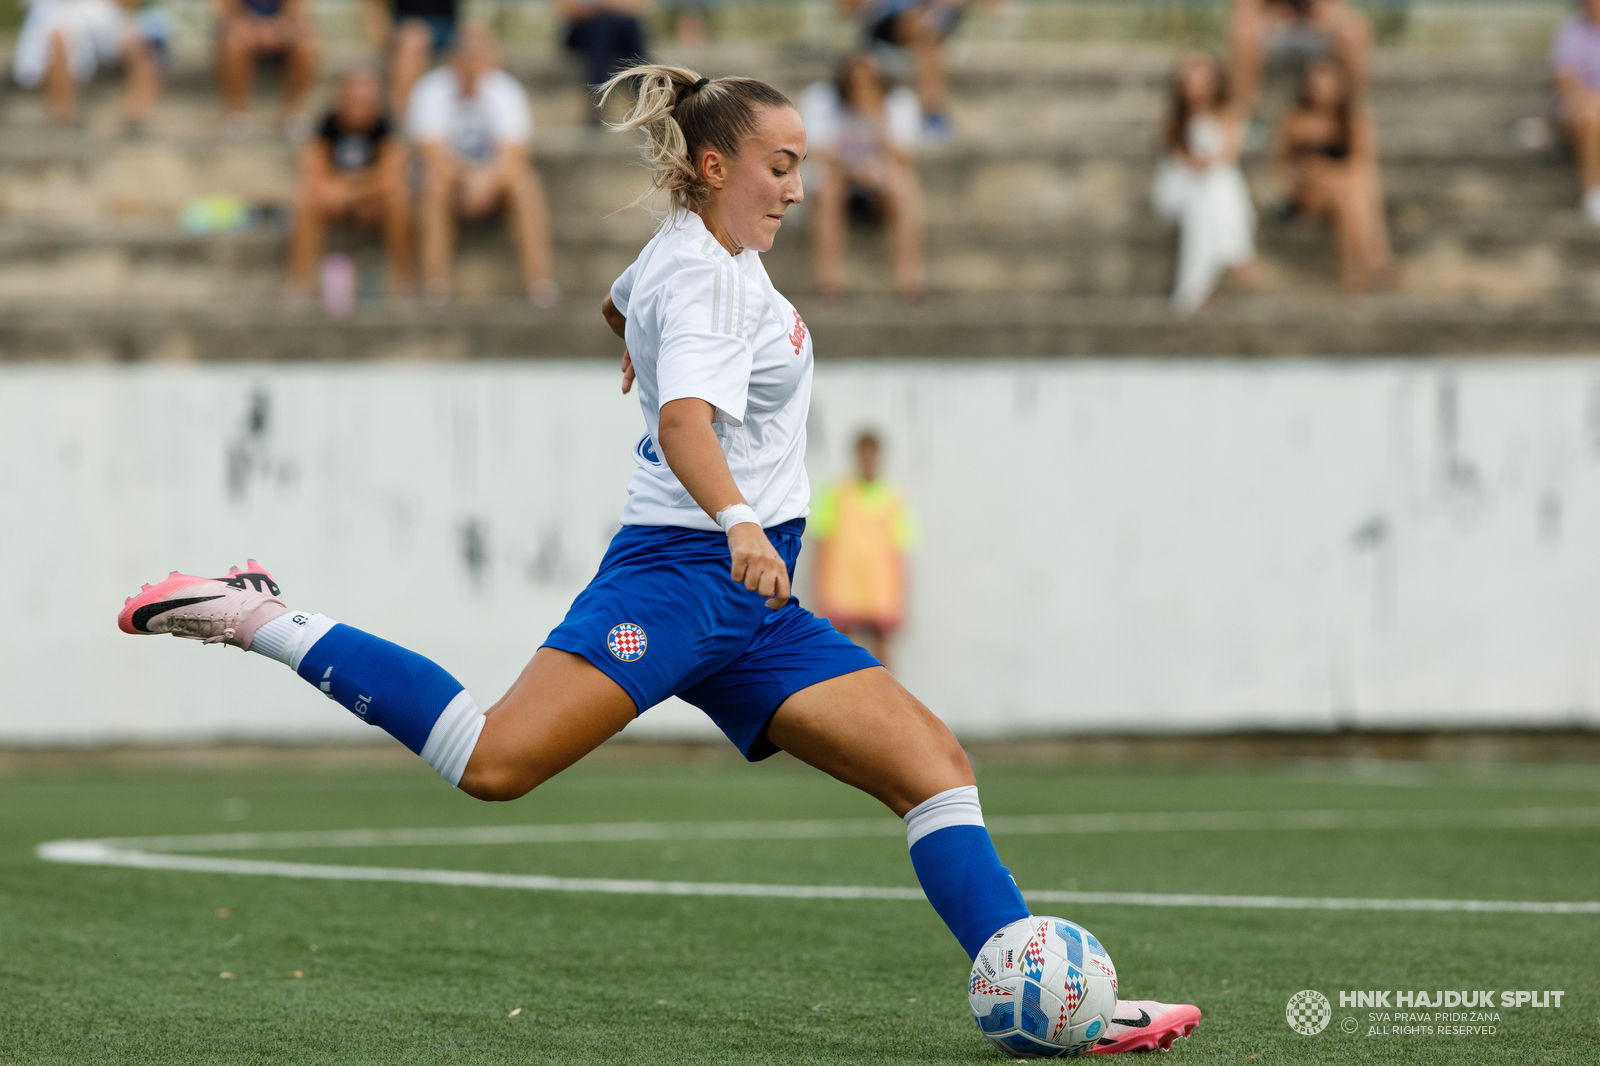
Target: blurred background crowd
[{"x": 396, "y": 156}]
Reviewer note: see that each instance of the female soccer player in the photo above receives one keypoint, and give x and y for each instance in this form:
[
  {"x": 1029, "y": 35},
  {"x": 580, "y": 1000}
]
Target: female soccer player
[{"x": 723, "y": 363}]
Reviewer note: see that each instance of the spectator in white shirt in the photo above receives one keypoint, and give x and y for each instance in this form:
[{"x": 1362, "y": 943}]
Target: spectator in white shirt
[
  {"x": 862, "y": 138},
  {"x": 1575, "y": 58},
  {"x": 63, "y": 42},
  {"x": 472, "y": 126}
]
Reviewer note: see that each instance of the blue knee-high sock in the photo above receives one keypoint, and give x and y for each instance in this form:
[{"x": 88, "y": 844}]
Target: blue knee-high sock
[
  {"x": 960, "y": 872},
  {"x": 407, "y": 695}
]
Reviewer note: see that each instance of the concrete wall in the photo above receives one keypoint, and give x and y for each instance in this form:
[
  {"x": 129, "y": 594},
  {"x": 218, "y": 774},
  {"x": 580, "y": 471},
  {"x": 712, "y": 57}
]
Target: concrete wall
[{"x": 1108, "y": 546}]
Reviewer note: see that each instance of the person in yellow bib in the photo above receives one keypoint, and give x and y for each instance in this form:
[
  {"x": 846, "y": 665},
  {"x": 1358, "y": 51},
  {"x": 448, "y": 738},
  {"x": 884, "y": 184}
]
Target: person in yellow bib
[{"x": 864, "y": 531}]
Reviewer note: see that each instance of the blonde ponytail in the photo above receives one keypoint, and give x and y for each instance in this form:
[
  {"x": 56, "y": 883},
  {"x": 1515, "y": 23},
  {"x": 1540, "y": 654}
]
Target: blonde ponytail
[{"x": 682, "y": 115}]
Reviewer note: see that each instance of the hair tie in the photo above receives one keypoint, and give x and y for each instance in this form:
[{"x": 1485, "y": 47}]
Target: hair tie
[{"x": 701, "y": 84}]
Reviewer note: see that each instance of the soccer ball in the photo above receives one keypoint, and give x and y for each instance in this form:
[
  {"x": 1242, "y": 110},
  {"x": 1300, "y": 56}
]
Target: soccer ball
[{"x": 1043, "y": 988}]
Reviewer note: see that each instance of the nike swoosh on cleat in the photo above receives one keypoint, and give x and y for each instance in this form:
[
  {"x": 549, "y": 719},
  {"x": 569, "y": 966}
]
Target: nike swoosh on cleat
[
  {"x": 1133, "y": 1023},
  {"x": 150, "y": 610}
]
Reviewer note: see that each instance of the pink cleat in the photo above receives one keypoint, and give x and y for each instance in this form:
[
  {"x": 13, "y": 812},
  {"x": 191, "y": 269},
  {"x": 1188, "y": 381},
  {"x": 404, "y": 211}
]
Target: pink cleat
[
  {"x": 1145, "y": 1025},
  {"x": 213, "y": 610}
]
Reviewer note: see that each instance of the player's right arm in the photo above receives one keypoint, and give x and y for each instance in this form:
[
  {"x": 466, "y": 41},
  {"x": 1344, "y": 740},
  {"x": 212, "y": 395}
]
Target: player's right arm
[{"x": 691, "y": 448}]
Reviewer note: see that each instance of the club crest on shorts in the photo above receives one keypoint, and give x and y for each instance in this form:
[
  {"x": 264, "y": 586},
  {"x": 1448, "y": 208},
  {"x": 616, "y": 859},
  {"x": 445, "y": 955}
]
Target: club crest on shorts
[{"x": 627, "y": 642}]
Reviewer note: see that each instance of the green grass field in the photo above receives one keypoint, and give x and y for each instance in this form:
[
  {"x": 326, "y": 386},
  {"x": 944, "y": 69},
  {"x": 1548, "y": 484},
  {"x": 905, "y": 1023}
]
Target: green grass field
[{"x": 106, "y": 964}]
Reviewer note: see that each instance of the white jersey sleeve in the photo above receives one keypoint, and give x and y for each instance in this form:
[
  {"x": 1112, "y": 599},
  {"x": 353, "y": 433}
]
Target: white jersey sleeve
[
  {"x": 622, "y": 288},
  {"x": 705, "y": 345}
]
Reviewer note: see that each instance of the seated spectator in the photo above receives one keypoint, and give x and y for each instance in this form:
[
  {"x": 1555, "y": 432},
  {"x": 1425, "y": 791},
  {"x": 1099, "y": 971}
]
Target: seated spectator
[
  {"x": 1327, "y": 155},
  {"x": 1575, "y": 57},
  {"x": 1199, "y": 185},
  {"x": 414, "y": 33},
  {"x": 63, "y": 42},
  {"x": 1296, "y": 31},
  {"x": 471, "y": 123},
  {"x": 607, "y": 33},
  {"x": 921, "y": 26},
  {"x": 862, "y": 138},
  {"x": 354, "y": 168},
  {"x": 260, "y": 29}
]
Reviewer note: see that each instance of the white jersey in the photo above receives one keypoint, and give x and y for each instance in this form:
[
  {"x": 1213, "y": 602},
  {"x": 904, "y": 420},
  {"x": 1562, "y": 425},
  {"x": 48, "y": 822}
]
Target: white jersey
[{"x": 707, "y": 325}]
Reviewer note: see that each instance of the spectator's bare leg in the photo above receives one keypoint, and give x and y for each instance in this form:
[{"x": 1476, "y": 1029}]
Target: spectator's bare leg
[
  {"x": 144, "y": 79},
  {"x": 413, "y": 47},
  {"x": 1380, "y": 256},
  {"x": 528, "y": 219},
  {"x": 906, "y": 225},
  {"x": 236, "y": 65},
  {"x": 1247, "y": 50},
  {"x": 1585, "y": 130},
  {"x": 1349, "y": 212},
  {"x": 305, "y": 243},
  {"x": 299, "y": 72},
  {"x": 60, "y": 91},
  {"x": 397, "y": 239},
  {"x": 920, "y": 34},
  {"x": 829, "y": 229},
  {"x": 438, "y": 223}
]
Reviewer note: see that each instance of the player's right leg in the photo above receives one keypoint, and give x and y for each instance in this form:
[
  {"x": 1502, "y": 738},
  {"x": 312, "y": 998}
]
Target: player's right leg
[{"x": 560, "y": 709}]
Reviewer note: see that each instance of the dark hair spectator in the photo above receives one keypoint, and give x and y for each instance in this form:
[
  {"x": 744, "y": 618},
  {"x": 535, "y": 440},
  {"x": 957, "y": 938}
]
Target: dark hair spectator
[
  {"x": 1199, "y": 185},
  {"x": 1327, "y": 155},
  {"x": 920, "y": 26},
  {"x": 62, "y": 43},
  {"x": 861, "y": 136},
  {"x": 472, "y": 125},
  {"x": 608, "y": 35},
  {"x": 1296, "y": 31},
  {"x": 353, "y": 168},
  {"x": 414, "y": 34},
  {"x": 1575, "y": 59},
  {"x": 257, "y": 29}
]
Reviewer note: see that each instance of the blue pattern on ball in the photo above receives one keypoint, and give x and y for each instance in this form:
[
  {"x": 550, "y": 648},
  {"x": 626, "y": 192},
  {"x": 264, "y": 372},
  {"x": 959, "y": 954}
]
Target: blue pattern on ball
[
  {"x": 998, "y": 1020},
  {"x": 1034, "y": 1019},
  {"x": 1072, "y": 937}
]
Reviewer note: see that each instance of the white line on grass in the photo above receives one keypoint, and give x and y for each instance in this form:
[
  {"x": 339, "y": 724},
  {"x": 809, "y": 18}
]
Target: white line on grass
[
  {"x": 153, "y": 853},
  {"x": 1000, "y": 825}
]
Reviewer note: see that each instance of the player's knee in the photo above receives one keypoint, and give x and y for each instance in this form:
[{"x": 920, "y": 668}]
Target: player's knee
[{"x": 494, "y": 782}]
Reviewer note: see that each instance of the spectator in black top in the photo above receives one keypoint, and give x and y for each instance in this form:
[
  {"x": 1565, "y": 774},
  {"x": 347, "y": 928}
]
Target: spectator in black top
[
  {"x": 607, "y": 33},
  {"x": 415, "y": 33},
  {"x": 354, "y": 168}
]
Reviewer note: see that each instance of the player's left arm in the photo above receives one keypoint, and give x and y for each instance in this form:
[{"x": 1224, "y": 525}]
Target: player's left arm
[{"x": 691, "y": 448}]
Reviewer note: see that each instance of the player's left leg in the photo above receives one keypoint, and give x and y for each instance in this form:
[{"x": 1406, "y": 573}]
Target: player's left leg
[{"x": 865, "y": 729}]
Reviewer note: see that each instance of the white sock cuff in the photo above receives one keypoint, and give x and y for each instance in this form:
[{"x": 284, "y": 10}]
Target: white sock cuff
[
  {"x": 956, "y": 806},
  {"x": 315, "y": 628},
  {"x": 453, "y": 737}
]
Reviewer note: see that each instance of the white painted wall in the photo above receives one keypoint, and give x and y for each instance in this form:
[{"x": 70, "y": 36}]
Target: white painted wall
[{"x": 1108, "y": 545}]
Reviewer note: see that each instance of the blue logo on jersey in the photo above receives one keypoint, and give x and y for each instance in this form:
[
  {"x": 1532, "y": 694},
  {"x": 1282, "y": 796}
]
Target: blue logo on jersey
[{"x": 646, "y": 450}]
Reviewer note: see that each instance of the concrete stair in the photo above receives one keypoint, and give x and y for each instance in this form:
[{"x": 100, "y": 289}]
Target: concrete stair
[{"x": 1040, "y": 237}]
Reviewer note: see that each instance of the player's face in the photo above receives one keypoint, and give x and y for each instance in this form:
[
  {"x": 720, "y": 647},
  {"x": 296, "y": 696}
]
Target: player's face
[{"x": 763, "y": 180}]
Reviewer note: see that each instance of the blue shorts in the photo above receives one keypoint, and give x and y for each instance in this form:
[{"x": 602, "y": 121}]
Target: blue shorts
[{"x": 662, "y": 618}]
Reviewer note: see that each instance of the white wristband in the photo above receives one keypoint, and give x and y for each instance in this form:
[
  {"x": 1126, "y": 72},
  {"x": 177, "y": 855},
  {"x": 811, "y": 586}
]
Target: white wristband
[{"x": 736, "y": 514}]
